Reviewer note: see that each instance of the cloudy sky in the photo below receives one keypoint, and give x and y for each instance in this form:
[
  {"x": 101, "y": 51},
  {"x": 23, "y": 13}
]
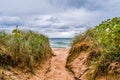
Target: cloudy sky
[{"x": 56, "y": 18}]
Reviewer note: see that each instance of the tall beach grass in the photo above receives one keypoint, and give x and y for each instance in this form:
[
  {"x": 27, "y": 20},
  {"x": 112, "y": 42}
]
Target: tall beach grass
[{"x": 25, "y": 49}]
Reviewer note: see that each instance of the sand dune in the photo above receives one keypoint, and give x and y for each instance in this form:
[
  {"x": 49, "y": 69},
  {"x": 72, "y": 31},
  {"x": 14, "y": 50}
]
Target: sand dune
[{"x": 53, "y": 69}]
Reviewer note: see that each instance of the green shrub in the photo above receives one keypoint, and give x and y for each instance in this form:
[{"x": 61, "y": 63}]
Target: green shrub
[{"x": 106, "y": 37}]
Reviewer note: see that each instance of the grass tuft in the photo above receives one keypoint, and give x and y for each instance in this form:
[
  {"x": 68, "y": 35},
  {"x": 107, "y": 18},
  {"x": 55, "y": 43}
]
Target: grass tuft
[{"x": 23, "y": 49}]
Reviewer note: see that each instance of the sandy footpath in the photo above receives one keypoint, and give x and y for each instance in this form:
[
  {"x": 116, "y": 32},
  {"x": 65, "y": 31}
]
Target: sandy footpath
[{"x": 57, "y": 69}]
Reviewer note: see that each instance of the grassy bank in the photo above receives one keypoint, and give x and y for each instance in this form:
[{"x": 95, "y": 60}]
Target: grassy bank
[
  {"x": 102, "y": 45},
  {"x": 23, "y": 49}
]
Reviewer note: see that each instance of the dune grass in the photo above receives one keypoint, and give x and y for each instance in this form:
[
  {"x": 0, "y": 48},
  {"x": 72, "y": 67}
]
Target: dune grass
[
  {"x": 103, "y": 46},
  {"x": 24, "y": 49}
]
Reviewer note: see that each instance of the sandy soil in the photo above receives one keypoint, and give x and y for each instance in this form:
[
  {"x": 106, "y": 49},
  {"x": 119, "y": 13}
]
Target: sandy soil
[
  {"x": 53, "y": 69},
  {"x": 57, "y": 70},
  {"x": 78, "y": 66}
]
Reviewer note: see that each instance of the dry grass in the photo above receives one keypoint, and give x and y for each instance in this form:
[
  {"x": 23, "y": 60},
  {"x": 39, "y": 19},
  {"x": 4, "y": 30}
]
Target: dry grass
[
  {"x": 24, "y": 49},
  {"x": 85, "y": 45}
]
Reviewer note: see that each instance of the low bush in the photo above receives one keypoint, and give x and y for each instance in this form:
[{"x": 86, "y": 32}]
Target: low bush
[{"x": 104, "y": 49}]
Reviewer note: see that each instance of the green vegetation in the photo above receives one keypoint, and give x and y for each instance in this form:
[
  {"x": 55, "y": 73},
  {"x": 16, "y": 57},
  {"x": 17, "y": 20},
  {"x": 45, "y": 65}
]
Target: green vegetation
[
  {"x": 103, "y": 46},
  {"x": 24, "y": 49}
]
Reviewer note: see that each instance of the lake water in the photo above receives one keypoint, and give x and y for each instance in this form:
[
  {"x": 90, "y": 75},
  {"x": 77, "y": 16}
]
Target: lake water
[{"x": 60, "y": 42}]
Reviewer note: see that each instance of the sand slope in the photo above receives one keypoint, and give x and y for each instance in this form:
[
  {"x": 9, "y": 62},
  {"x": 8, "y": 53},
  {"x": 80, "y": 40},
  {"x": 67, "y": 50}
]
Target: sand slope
[
  {"x": 53, "y": 69},
  {"x": 78, "y": 67}
]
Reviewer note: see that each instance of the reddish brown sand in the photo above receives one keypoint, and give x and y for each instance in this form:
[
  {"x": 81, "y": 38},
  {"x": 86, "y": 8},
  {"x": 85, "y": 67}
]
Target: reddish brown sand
[
  {"x": 53, "y": 69},
  {"x": 78, "y": 66}
]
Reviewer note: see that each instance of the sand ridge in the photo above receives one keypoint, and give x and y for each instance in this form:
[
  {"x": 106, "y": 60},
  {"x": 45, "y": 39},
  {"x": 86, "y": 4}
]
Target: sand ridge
[{"x": 52, "y": 69}]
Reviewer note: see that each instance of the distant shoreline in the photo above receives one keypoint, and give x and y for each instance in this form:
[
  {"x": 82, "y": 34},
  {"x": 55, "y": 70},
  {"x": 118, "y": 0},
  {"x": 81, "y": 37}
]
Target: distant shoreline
[
  {"x": 63, "y": 48},
  {"x": 60, "y": 42}
]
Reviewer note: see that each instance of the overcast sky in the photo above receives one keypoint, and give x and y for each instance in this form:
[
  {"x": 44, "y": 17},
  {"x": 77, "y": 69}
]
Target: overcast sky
[{"x": 56, "y": 18}]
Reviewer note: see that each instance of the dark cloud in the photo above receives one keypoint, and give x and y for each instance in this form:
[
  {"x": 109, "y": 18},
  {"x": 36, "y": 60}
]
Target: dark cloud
[
  {"x": 88, "y": 4},
  {"x": 80, "y": 26},
  {"x": 61, "y": 27},
  {"x": 53, "y": 19},
  {"x": 69, "y": 3}
]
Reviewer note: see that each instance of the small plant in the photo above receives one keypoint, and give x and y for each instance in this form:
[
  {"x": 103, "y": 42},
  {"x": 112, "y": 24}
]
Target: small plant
[{"x": 16, "y": 32}]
